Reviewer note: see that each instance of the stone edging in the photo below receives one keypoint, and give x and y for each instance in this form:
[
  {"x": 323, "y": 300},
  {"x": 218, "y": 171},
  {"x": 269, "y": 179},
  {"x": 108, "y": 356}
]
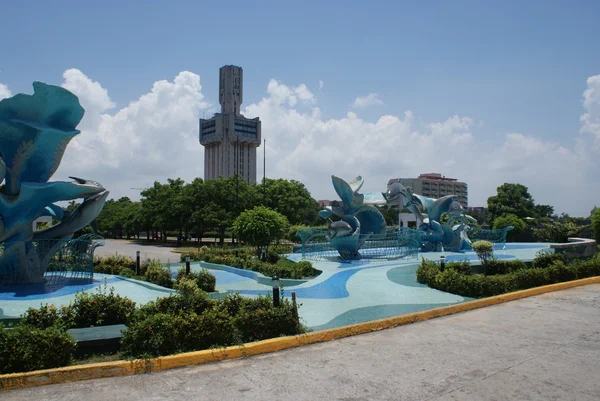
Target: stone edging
[{"x": 123, "y": 368}]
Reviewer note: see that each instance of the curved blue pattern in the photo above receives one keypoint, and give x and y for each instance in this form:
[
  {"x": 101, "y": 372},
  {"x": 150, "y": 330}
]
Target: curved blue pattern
[
  {"x": 367, "y": 313},
  {"x": 41, "y": 291},
  {"x": 331, "y": 288}
]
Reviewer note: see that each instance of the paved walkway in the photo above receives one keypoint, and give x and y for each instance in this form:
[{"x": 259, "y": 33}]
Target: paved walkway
[
  {"x": 540, "y": 348},
  {"x": 127, "y": 248}
]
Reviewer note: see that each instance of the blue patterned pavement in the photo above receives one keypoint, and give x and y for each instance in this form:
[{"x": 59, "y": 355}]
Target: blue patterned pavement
[{"x": 344, "y": 293}]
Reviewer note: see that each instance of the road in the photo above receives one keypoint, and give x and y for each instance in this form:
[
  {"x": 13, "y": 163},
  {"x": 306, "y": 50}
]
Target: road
[{"x": 541, "y": 348}]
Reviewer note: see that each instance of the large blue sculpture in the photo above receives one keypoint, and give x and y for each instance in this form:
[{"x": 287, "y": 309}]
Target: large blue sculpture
[
  {"x": 34, "y": 132},
  {"x": 443, "y": 222},
  {"x": 359, "y": 219}
]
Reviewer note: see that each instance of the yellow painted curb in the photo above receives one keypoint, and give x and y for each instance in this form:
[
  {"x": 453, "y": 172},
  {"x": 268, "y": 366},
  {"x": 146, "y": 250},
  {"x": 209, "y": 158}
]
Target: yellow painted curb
[{"x": 123, "y": 368}]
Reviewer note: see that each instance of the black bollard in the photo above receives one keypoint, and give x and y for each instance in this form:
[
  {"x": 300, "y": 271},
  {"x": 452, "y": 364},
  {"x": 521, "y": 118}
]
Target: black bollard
[
  {"x": 137, "y": 263},
  {"x": 187, "y": 264},
  {"x": 442, "y": 262},
  {"x": 275, "y": 280}
]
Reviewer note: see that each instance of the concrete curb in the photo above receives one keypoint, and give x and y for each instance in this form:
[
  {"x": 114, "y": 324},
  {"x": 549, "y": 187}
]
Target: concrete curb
[{"x": 123, "y": 368}]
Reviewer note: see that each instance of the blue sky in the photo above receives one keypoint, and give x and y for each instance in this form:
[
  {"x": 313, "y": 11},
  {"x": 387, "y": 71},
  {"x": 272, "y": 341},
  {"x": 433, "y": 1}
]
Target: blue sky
[{"x": 510, "y": 66}]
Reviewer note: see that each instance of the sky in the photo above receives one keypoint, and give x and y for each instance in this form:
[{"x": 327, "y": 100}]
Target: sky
[{"x": 483, "y": 91}]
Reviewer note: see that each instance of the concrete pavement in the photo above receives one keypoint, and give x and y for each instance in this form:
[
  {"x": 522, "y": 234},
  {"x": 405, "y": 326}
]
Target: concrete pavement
[
  {"x": 147, "y": 251},
  {"x": 541, "y": 348}
]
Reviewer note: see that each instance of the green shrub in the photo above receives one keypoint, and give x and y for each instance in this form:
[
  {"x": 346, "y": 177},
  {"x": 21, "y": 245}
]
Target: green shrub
[
  {"x": 158, "y": 334},
  {"x": 546, "y": 257},
  {"x": 529, "y": 278},
  {"x": 113, "y": 264},
  {"x": 47, "y": 316},
  {"x": 495, "y": 267},
  {"x": 508, "y": 276},
  {"x": 126, "y": 272},
  {"x": 27, "y": 348},
  {"x": 284, "y": 268},
  {"x": 257, "y": 318},
  {"x": 484, "y": 251},
  {"x": 101, "y": 309},
  {"x": 559, "y": 272},
  {"x": 165, "y": 334},
  {"x": 427, "y": 271},
  {"x": 205, "y": 280},
  {"x": 190, "y": 300},
  {"x": 158, "y": 275}
]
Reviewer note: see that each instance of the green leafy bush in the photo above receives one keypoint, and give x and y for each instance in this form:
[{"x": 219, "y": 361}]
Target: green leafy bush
[
  {"x": 513, "y": 276},
  {"x": 206, "y": 281},
  {"x": 165, "y": 334},
  {"x": 102, "y": 308},
  {"x": 48, "y": 316},
  {"x": 158, "y": 275},
  {"x": 191, "y": 299},
  {"x": 546, "y": 257},
  {"x": 113, "y": 264},
  {"x": 257, "y": 319},
  {"x": 495, "y": 267},
  {"x": 126, "y": 272},
  {"x": 484, "y": 251},
  {"x": 284, "y": 268},
  {"x": 26, "y": 348}
]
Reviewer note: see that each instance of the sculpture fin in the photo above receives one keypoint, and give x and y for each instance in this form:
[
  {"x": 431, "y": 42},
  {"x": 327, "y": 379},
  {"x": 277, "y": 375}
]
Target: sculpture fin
[{"x": 94, "y": 226}]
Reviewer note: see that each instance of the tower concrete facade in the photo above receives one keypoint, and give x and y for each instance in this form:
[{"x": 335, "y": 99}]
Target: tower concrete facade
[{"x": 230, "y": 139}]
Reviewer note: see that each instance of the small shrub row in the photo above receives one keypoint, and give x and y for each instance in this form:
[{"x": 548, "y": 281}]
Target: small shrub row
[
  {"x": 460, "y": 281},
  {"x": 282, "y": 267},
  {"x": 186, "y": 321},
  {"x": 191, "y": 321},
  {"x": 203, "y": 278},
  {"x": 101, "y": 308},
  {"x": 25, "y": 348},
  {"x": 151, "y": 270}
]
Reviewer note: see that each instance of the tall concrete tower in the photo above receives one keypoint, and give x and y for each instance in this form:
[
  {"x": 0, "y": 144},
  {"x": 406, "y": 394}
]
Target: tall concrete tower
[{"x": 230, "y": 139}]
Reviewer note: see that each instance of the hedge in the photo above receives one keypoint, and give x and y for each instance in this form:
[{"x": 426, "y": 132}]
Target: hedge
[
  {"x": 185, "y": 321},
  {"x": 456, "y": 279},
  {"x": 274, "y": 266}
]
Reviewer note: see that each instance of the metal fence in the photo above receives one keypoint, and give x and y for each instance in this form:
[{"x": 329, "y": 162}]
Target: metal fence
[
  {"x": 392, "y": 244},
  {"x": 51, "y": 261}
]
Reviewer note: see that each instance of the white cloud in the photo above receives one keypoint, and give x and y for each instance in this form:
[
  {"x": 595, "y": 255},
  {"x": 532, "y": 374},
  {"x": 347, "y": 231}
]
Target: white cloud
[
  {"x": 591, "y": 102},
  {"x": 153, "y": 138},
  {"x": 156, "y": 137},
  {"x": 320, "y": 85},
  {"x": 365, "y": 101},
  {"x": 4, "y": 92}
]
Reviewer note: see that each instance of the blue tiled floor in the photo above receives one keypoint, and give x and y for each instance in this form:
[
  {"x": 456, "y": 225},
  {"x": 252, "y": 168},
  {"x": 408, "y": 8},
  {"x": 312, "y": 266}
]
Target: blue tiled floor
[{"x": 344, "y": 293}]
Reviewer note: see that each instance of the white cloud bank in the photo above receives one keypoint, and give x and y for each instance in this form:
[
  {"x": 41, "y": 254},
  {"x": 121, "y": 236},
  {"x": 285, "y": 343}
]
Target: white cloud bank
[
  {"x": 371, "y": 99},
  {"x": 156, "y": 137},
  {"x": 4, "y": 92}
]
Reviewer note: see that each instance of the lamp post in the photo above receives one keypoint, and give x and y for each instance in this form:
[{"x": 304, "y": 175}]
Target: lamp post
[
  {"x": 442, "y": 262},
  {"x": 187, "y": 265},
  {"x": 137, "y": 263},
  {"x": 275, "y": 280},
  {"x": 237, "y": 187}
]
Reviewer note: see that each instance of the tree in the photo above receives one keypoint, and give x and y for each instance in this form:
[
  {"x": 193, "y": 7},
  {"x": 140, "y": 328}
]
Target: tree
[
  {"x": 556, "y": 231},
  {"x": 542, "y": 211},
  {"x": 511, "y": 199},
  {"x": 596, "y": 224},
  {"x": 292, "y": 199},
  {"x": 260, "y": 226},
  {"x": 510, "y": 219}
]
